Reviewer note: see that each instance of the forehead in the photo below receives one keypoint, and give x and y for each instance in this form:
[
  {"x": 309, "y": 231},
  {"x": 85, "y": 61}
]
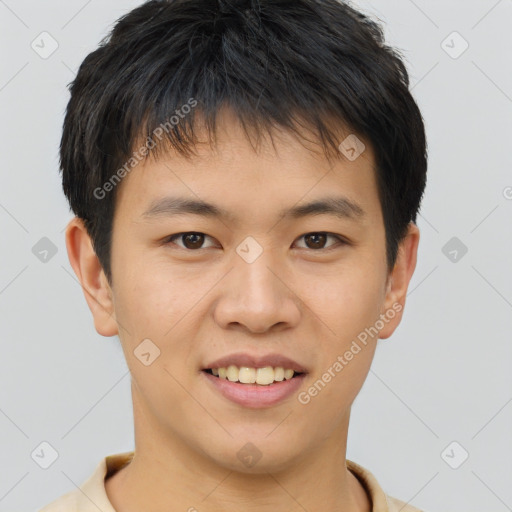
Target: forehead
[{"x": 281, "y": 169}]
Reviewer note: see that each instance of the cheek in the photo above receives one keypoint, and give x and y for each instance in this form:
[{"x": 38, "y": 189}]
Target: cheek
[
  {"x": 349, "y": 311},
  {"x": 347, "y": 303},
  {"x": 150, "y": 301},
  {"x": 154, "y": 311},
  {"x": 162, "y": 306}
]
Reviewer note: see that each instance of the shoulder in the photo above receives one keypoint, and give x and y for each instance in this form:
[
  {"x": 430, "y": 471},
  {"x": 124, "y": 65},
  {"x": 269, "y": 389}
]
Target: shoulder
[
  {"x": 91, "y": 496},
  {"x": 396, "y": 505},
  {"x": 381, "y": 502},
  {"x": 66, "y": 503}
]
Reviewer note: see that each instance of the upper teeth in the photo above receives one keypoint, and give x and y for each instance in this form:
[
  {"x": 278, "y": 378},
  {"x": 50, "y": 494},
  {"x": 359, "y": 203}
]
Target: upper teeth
[{"x": 246, "y": 375}]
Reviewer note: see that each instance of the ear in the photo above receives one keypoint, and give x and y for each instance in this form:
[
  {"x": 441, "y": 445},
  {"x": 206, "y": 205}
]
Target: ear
[
  {"x": 89, "y": 271},
  {"x": 398, "y": 281}
]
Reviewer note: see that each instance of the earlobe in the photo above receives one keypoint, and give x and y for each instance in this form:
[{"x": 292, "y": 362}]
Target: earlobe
[
  {"x": 89, "y": 272},
  {"x": 398, "y": 281}
]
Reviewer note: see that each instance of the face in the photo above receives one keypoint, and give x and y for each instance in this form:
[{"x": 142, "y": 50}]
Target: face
[{"x": 261, "y": 278}]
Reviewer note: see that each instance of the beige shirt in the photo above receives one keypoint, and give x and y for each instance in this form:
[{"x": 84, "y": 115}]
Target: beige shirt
[{"x": 92, "y": 497}]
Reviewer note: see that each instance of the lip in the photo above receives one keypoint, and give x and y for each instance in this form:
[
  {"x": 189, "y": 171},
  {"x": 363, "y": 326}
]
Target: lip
[
  {"x": 255, "y": 396},
  {"x": 252, "y": 361}
]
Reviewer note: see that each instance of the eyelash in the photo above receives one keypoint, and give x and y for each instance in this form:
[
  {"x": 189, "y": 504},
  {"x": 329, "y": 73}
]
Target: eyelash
[{"x": 341, "y": 240}]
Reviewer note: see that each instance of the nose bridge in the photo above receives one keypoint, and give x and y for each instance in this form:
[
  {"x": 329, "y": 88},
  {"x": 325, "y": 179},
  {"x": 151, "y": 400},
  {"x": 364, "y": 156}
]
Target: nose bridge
[
  {"x": 256, "y": 295},
  {"x": 256, "y": 283},
  {"x": 254, "y": 258}
]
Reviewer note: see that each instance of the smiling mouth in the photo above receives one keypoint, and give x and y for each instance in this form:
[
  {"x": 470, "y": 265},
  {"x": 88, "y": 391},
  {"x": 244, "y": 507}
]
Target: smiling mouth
[{"x": 262, "y": 376}]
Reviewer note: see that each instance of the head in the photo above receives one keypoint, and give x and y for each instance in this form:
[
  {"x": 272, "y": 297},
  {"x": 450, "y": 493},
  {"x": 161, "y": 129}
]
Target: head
[{"x": 256, "y": 108}]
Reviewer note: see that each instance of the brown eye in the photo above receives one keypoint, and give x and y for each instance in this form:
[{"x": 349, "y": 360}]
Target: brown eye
[
  {"x": 317, "y": 240},
  {"x": 191, "y": 240}
]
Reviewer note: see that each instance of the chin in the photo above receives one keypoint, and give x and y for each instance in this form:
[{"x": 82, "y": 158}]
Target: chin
[{"x": 257, "y": 456}]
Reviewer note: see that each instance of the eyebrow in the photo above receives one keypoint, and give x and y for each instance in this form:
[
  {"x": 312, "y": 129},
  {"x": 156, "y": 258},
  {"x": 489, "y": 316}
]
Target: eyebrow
[{"x": 341, "y": 207}]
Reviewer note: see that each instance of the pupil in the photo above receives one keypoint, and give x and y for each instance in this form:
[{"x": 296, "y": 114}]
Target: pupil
[
  {"x": 198, "y": 242},
  {"x": 315, "y": 237}
]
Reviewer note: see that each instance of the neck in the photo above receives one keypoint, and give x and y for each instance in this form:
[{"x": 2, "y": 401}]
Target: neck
[{"x": 167, "y": 475}]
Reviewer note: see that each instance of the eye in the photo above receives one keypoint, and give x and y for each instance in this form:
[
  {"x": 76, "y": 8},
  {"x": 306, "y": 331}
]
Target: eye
[
  {"x": 192, "y": 239},
  {"x": 318, "y": 239}
]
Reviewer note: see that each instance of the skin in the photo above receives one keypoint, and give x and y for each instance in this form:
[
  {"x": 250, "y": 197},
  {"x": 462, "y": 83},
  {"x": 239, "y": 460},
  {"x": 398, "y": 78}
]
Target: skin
[{"x": 197, "y": 305}]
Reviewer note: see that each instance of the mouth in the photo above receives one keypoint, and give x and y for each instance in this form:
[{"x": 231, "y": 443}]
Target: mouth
[
  {"x": 264, "y": 376},
  {"x": 264, "y": 387}
]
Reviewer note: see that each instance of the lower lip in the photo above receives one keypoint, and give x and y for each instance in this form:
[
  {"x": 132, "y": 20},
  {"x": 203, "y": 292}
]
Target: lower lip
[{"x": 254, "y": 395}]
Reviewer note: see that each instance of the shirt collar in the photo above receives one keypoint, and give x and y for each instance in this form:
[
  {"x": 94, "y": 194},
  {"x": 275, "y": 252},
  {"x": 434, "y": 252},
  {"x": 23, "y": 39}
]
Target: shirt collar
[{"x": 92, "y": 496}]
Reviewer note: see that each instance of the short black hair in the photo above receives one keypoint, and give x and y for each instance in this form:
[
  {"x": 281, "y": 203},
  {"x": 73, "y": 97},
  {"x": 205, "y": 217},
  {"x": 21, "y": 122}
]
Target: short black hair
[{"x": 275, "y": 63}]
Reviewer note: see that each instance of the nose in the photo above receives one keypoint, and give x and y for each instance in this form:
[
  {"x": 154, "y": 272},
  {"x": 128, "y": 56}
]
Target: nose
[{"x": 258, "y": 297}]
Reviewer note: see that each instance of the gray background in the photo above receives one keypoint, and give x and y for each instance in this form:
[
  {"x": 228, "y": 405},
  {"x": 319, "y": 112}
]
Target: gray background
[{"x": 444, "y": 376}]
